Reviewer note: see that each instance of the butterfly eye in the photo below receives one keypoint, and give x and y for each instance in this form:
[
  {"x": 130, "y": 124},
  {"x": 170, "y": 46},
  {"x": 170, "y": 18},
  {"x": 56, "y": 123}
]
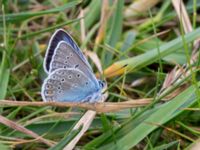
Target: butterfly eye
[
  {"x": 67, "y": 57},
  {"x": 65, "y": 66},
  {"x": 71, "y": 54},
  {"x": 101, "y": 84},
  {"x": 62, "y": 79},
  {"x": 66, "y": 62},
  {"x": 59, "y": 88},
  {"x": 69, "y": 77}
]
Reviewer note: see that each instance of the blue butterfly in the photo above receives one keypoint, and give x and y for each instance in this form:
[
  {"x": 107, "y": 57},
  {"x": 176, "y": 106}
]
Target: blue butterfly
[{"x": 70, "y": 76}]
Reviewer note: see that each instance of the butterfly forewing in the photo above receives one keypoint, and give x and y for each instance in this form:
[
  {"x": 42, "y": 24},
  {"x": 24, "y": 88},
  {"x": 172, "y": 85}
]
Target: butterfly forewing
[
  {"x": 65, "y": 57},
  {"x": 58, "y": 36}
]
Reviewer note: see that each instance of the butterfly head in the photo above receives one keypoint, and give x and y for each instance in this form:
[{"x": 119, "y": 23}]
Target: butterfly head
[{"x": 102, "y": 84}]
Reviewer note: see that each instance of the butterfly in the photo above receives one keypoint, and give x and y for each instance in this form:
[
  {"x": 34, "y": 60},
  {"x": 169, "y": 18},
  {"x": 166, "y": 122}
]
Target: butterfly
[{"x": 70, "y": 76}]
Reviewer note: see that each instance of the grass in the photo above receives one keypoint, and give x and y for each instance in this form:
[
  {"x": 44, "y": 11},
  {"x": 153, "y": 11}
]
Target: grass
[{"x": 138, "y": 52}]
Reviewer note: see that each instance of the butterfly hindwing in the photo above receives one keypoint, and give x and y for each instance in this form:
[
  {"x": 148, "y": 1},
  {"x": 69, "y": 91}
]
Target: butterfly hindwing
[{"x": 70, "y": 85}]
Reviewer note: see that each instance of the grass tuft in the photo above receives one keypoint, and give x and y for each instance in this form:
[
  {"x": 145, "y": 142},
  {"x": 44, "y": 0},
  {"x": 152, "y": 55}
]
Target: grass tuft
[{"x": 149, "y": 52}]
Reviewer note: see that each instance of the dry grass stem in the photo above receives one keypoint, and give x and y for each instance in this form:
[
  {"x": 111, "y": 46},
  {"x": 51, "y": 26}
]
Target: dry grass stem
[
  {"x": 98, "y": 107},
  {"x": 20, "y": 128},
  {"x": 179, "y": 73}
]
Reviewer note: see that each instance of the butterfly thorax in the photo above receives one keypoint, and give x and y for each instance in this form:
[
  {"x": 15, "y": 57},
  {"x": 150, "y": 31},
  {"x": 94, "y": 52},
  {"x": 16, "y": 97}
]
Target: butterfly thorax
[{"x": 94, "y": 97}]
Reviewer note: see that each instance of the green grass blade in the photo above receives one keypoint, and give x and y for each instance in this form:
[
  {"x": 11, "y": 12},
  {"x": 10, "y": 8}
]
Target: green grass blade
[
  {"x": 4, "y": 147},
  {"x": 28, "y": 35},
  {"x": 166, "y": 146},
  {"x": 115, "y": 29},
  {"x": 65, "y": 140},
  {"x": 165, "y": 49},
  {"x": 11, "y": 18},
  {"x": 93, "y": 15},
  {"x": 4, "y": 79},
  {"x": 134, "y": 134},
  {"x": 4, "y": 67}
]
